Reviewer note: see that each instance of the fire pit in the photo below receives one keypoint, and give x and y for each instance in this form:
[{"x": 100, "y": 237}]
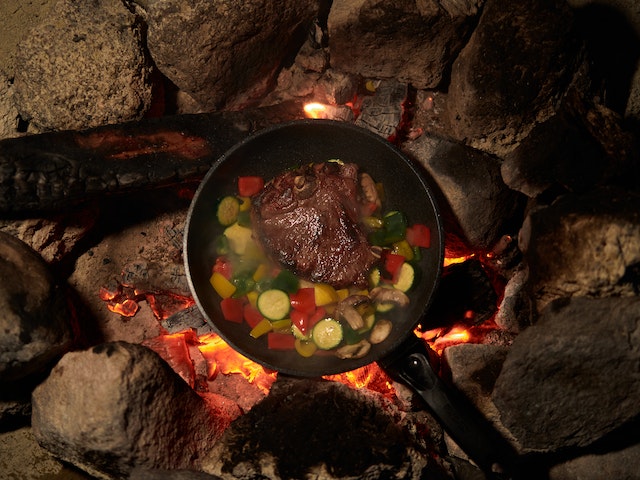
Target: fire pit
[{"x": 510, "y": 109}]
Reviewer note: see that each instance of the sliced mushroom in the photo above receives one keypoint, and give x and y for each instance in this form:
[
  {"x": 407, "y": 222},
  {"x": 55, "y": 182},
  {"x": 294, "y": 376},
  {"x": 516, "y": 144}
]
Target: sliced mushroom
[
  {"x": 369, "y": 189},
  {"x": 357, "y": 350},
  {"x": 392, "y": 295},
  {"x": 346, "y": 309},
  {"x": 380, "y": 331}
]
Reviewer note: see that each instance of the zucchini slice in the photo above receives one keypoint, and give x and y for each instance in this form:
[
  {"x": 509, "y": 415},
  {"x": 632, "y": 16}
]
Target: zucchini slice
[
  {"x": 327, "y": 334},
  {"x": 406, "y": 277},
  {"x": 228, "y": 210},
  {"x": 274, "y": 304}
]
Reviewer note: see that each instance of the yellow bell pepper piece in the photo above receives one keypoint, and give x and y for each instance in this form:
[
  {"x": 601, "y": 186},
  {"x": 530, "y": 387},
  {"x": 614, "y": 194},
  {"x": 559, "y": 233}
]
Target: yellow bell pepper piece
[
  {"x": 325, "y": 294},
  {"x": 263, "y": 326},
  {"x": 403, "y": 248},
  {"x": 245, "y": 203},
  {"x": 260, "y": 272},
  {"x": 221, "y": 285},
  {"x": 280, "y": 325},
  {"x": 342, "y": 293},
  {"x": 252, "y": 296}
]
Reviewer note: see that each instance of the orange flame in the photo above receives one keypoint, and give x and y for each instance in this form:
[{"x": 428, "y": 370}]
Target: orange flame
[
  {"x": 314, "y": 110},
  {"x": 221, "y": 358}
]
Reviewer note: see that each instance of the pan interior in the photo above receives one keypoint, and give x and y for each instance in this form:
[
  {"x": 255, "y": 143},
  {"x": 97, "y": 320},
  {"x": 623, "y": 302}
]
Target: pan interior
[{"x": 267, "y": 154}]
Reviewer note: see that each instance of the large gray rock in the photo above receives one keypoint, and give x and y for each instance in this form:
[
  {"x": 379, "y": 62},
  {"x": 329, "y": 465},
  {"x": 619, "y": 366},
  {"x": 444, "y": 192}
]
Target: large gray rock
[
  {"x": 572, "y": 377},
  {"x": 415, "y": 43},
  {"x": 82, "y": 67},
  {"x": 35, "y": 322},
  {"x": 478, "y": 207},
  {"x": 225, "y": 53},
  {"x": 519, "y": 60},
  {"x": 118, "y": 406},
  {"x": 583, "y": 245}
]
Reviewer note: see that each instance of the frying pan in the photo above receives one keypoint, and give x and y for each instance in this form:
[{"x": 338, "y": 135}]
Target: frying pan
[{"x": 407, "y": 189}]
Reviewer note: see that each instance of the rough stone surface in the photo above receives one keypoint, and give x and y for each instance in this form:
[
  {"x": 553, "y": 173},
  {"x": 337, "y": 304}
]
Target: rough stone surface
[
  {"x": 285, "y": 436},
  {"x": 479, "y": 206},
  {"x": 118, "y": 406},
  {"x": 572, "y": 377},
  {"x": 519, "y": 60},
  {"x": 623, "y": 464},
  {"x": 8, "y": 111},
  {"x": 583, "y": 245},
  {"x": 82, "y": 67},
  {"x": 236, "y": 47},
  {"x": 413, "y": 43},
  {"x": 35, "y": 322}
]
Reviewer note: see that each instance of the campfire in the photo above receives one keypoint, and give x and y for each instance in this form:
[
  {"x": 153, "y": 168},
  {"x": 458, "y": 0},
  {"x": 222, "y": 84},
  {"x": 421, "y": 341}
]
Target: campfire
[{"x": 529, "y": 133}]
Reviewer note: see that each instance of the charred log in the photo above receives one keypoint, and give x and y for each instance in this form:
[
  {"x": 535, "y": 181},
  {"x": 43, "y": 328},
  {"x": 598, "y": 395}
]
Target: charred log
[{"x": 51, "y": 171}]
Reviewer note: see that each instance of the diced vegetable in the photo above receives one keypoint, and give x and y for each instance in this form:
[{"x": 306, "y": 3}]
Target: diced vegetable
[
  {"x": 249, "y": 185},
  {"x": 232, "y": 309},
  {"x": 305, "y": 348},
  {"x": 223, "y": 266},
  {"x": 239, "y": 238},
  {"x": 274, "y": 304},
  {"x": 228, "y": 209},
  {"x": 252, "y": 315},
  {"x": 286, "y": 281},
  {"x": 280, "y": 341},
  {"x": 327, "y": 334},
  {"x": 304, "y": 300},
  {"x": 403, "y": 248},
  {"x": 392, "y": 263},
  {"x": 221, "y": 285},
  {"x": 282, "y": 326},
  {"x": 325, "y": 294},
  {"x": 264, "y": 326},
  {"x": 245, "y": 204},
  {"x": 405, "y": 277},
  {"x": 419, "y": 235}
]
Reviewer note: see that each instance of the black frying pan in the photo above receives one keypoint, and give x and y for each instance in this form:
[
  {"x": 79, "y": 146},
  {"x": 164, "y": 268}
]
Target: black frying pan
[{"x": 407, "y": 189}]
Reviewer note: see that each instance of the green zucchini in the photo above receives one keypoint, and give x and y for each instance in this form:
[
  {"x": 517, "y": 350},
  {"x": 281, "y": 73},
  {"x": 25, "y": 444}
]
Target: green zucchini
[
  {"x": 274, "y": 304},
  {"x": 327, "y": 334},
  {"x": 406, "y": 277},
  {"x": 228, "y": 210}
]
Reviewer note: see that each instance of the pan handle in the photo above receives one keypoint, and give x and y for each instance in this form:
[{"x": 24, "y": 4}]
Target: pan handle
[{"x": 469, "y": 429}]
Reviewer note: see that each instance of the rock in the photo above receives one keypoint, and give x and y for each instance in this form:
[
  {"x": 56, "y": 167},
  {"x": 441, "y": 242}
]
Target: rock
[
  {"x": 236, "y": 48},
  {"x": 118, "y": 406},
  {"x": 35, "y": 323},
  {"x": 413, "y": 44},
  {"x": 310, "y": 428},
  {"x": 572, "y": 377},
  {"x": 618, "y": 464},
  {"x": 82, "y": 67},
  {"x": 583, "y": 245},
  {"x": 520, "y": 58},
  {"x": 478, "y": 207},
  {"x": 9, "y": 120}
]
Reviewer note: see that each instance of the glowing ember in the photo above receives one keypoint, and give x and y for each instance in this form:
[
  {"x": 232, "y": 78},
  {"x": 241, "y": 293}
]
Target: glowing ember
[
  {"x": 453, "y": 260},
  {"x": 441, "y": 338},
  {"x": 221, "y": 358},
  {"x": 315, "y": 110}
]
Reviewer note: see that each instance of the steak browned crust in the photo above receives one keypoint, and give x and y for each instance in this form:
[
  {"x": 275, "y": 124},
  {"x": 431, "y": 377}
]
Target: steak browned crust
[{"x": 307, "y": 220}]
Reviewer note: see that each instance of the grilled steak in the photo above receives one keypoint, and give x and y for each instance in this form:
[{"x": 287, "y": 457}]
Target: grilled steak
[{"x": 307, "y": 220}]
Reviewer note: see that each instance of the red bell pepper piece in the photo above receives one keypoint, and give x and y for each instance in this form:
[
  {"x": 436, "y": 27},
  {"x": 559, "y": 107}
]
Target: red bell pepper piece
[
  {"x": 252, "y": 315},
  {"x": 318, "y": 315},
  {"x": 419, "y": 235},
  {"x": 304, "y": 300},
  {"x": 249, "y": 185},
  {"x": 223, "y": 266},
  {"x": 392, "y": 263},
  {"x": 280, "y": 341},
  {"x": 300, "y": 320},
  {"x": 232, "y": 309}
]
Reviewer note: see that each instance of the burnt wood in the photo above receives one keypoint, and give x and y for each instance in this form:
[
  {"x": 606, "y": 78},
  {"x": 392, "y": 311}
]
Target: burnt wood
[{"x": 52, "y": 171}]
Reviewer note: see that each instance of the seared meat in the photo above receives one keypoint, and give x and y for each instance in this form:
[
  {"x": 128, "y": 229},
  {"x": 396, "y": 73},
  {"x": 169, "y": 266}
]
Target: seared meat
[{"x": 307, "y": 220}]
